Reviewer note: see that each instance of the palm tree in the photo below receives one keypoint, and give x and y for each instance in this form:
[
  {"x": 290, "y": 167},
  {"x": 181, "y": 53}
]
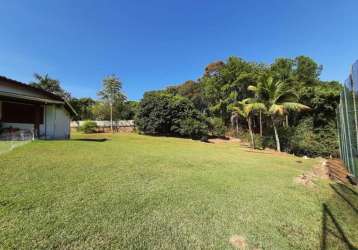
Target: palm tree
[
  {"x": 278, "y": 99},
  {"x": 51, "y": 85},
  {"x": 257, "y": 90},
  {"x": 112, "y": 93},
  {"x": 245, "y": 109}
]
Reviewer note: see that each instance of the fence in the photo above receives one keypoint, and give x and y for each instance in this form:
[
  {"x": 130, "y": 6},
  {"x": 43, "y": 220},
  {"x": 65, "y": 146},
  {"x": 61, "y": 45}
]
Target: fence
[
  {"x": 105, "y": 126},
  {"x": 347, "y": 116}
]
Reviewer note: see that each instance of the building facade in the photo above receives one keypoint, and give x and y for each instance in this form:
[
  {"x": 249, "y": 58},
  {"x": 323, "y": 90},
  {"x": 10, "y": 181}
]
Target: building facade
[{"x": 26, "y": 108}]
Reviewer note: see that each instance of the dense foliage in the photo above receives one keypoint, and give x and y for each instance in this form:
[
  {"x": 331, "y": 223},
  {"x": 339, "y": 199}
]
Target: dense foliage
[
  {"x": 88, "y": 127},
  {"x": 166, "y": 114},
  {"x": 225, "y": 84}
]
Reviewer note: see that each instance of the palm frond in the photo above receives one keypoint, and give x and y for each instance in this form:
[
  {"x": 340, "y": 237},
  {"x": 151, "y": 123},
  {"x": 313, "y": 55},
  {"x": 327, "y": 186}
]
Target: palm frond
[
  {"x": 276, "y": 109},
  {"x": 239, "y": 112},
  {"x": 294, "y": 106},
  {"x": 252, "y": 88}
]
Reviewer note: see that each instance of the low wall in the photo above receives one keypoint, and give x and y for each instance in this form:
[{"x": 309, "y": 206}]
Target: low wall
[{"x": 105, "y": 126}]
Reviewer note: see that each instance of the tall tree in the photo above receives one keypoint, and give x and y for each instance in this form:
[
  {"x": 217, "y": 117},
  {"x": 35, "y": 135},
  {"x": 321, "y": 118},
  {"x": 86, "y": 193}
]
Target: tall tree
[
  {"x": 112, "y": 93},
  {"x": 51, "y": 85},
  {"x": 278, "y": 99},
  {"x": 306, "y": 70}
]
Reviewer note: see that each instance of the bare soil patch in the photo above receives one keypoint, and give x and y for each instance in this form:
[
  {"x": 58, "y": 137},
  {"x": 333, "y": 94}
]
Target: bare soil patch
[
  {"x": 267, "y": 151},
  {"x": 238, "y": 241},
  {"x": 319, "y": 171},
  {"x": 226, "y": 140}
]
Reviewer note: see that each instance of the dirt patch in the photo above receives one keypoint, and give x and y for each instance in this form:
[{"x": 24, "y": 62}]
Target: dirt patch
[
  {"x": 226, "y": 140},
  {"x": 238, "y": 242},
  {"x": 268, "y": 151},
  {"x": 319, "y": 171}
]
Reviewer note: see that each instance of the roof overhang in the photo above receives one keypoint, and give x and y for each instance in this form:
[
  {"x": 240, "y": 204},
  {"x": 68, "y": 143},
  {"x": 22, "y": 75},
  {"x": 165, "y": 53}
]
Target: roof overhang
[
  {"x": 52, "y": 98},
  {"x": 29, "y": 98}
]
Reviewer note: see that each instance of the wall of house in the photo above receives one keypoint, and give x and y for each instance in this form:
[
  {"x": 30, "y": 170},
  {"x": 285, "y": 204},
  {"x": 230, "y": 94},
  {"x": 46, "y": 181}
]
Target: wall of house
[{"x": 57, "y": 122}]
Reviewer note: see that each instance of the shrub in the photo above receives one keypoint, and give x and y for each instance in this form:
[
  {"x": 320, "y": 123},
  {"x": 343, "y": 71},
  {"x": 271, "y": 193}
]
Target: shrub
[
  {"x": 164, "y": 114},
  {"x": 304, "y": 139},
  {"x": 88, "y": 127},
  {"x": 193, "y": 128},
  {"x": 314, "y": 142},
  {"x": 217, "y": 127},
  {"x": 245, "y": 136}
]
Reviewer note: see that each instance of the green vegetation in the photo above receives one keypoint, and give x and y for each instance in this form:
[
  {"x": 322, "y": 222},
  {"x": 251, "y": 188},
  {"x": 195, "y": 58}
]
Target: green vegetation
[
  {"x": 165, "y": 114},
  {"x": 276, "y": 99},
  {"x": 112, "y": 94},
  {"x": 112, "y": 104},
  {"x": 291, "y": 90},
  {"x": 89, "y": 127},
  {"x": 135, "y": 191},
  {"x": 286, "y": 87}
]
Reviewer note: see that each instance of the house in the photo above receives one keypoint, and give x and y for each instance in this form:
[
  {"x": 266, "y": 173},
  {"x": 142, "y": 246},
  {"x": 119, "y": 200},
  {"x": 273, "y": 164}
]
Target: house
[{"x": 26, "y": 108}]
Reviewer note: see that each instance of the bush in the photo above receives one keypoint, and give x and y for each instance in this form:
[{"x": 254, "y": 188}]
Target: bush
[
  {"x": 193, "y": 128},
  {"x": 217, "y": 127},
  {"x": 304, "y": 139},
  {"x": 314, "y": 142},
  {"x": 89, "y": 127},
  {"x": 164, "y": 114},
  {"x": 245, "y": 136}
]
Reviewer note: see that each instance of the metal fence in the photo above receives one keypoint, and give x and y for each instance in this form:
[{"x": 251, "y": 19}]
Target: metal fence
[{"x": 347, "y": 114}]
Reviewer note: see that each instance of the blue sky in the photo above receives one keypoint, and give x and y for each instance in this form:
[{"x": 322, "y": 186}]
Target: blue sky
[{"x": 152, "y": 44}]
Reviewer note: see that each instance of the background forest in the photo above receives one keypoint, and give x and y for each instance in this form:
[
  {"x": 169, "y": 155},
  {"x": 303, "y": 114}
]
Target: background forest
[{"x": 207, "y": 106}]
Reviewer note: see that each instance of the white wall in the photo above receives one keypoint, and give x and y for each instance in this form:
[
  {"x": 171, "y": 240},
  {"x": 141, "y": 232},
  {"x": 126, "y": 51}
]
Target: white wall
[
  {"x": 24, "y": 126},
  {"x": 57, "y": 122}
]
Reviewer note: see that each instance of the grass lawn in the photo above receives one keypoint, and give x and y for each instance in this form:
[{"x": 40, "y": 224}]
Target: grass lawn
[
  {"x": 145, "y": 192},
  {"x": 6, "y": 146}
]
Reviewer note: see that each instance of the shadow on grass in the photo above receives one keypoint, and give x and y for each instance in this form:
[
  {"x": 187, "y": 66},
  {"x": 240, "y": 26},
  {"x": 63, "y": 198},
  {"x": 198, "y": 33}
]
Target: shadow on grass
[
  {"x": 91, "y": 139},
  {"x": 339, "y": 219}
]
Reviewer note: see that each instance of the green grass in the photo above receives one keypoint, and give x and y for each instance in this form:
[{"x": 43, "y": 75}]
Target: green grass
[
  {"x": 6, "y": 146},
  {"x": 164, "y": 193}
]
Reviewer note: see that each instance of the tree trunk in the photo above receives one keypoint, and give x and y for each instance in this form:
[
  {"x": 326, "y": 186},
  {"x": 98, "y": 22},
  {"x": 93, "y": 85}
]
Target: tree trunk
[
  {"x": 251, "y": 133},
  {"x": 111, "y": 109},
  {"x": 260, "y": 123},
  {"x": 278, "y": 146},
  {"x": 286, "y": 120},
  {"x": 237, "y": 126}
]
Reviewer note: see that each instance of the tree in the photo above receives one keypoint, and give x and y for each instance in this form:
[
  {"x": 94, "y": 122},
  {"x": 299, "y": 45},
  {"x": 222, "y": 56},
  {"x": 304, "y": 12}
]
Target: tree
[
  {"x": 193, "y": 91},
  {"x": 278, "y": 99},
  {"x": 228, "y": 84},
  {"x": 112, "y": 93},
  {"x": 51, "y": 85},
  {"x": 306, "y": 70},
  {"x": 245, "y": 109},
  {"x": 128, "y": 110},
  {"x": 165, "y": 114},
  {"x": 83, "y": 107}
]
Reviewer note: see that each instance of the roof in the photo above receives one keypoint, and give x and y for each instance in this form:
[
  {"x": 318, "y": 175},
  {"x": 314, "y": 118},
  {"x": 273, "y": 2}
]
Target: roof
[{"x": 55, "y": 98}]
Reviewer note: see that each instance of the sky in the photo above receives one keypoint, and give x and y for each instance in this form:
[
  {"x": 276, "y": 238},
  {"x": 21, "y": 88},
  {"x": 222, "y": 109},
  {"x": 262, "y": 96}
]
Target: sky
[{"x": 151, "y": 44}]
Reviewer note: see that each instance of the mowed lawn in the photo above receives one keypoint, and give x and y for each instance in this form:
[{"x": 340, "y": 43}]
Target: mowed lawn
[{"x": 141, "y": 192}]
